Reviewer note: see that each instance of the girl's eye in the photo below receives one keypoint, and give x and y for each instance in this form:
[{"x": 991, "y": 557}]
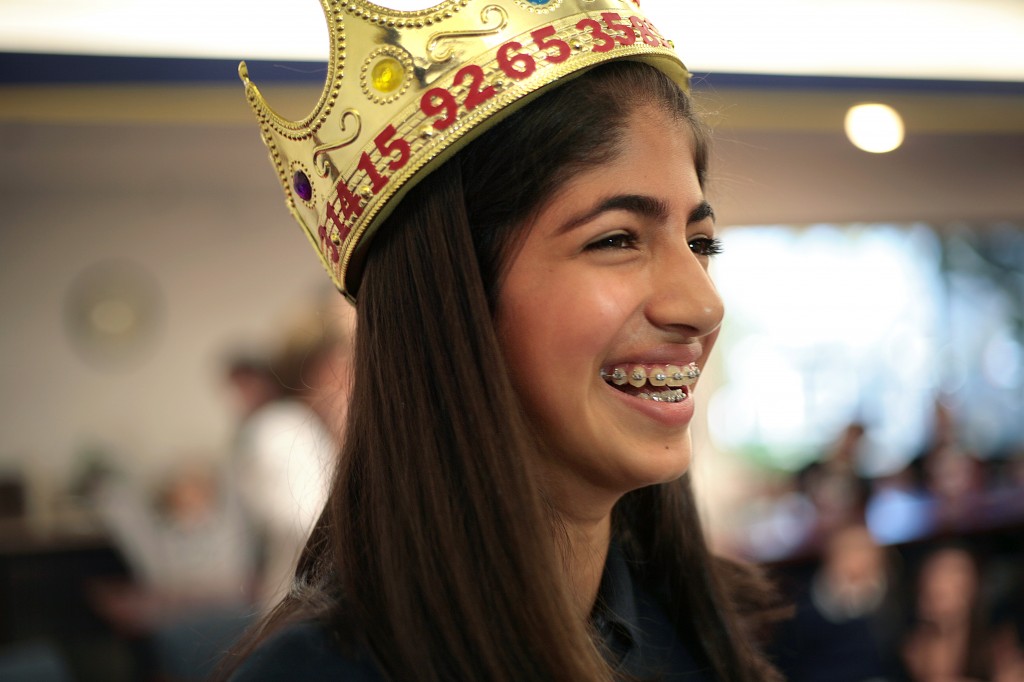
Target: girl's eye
[
  {"x": 706, "y": 246},
  {"x": 619, "y": 240}
]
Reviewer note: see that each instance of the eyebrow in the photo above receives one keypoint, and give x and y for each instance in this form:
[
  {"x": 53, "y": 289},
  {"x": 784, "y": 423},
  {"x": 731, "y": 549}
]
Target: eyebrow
[
  {"x": 702, "y": 212},
  {"x": 640, "y": 204}
]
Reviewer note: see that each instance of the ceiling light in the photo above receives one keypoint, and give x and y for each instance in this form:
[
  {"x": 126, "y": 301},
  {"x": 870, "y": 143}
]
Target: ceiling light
[{"x": 875, "y": 128}]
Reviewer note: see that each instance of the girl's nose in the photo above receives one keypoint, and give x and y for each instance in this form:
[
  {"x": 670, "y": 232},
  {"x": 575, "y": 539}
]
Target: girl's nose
[{"x": 683, "y": 297}]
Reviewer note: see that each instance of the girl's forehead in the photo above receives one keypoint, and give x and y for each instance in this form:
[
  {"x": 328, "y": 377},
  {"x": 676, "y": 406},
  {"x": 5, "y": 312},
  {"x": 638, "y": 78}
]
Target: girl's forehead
[{"x": 647, "y": 139}]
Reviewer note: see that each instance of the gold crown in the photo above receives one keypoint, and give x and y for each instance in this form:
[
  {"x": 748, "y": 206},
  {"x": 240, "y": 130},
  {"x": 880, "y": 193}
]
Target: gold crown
[{"x": 406, "y": 89}]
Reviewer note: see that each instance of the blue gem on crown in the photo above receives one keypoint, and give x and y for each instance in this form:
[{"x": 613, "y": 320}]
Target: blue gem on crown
[{"x": 538, "y": 2}]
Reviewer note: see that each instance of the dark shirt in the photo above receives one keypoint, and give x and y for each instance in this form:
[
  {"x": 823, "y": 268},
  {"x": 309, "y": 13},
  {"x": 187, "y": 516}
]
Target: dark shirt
[
  {"x": 640, "y": 642},
  {"x": 815, "y": 645}
]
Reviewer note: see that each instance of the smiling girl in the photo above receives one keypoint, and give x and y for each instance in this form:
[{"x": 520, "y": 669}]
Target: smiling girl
[{"x": 512, "y": 499}]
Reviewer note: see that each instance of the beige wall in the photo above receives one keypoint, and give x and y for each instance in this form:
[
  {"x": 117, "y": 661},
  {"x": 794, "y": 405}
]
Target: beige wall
[{"x": 197, "y": 208}]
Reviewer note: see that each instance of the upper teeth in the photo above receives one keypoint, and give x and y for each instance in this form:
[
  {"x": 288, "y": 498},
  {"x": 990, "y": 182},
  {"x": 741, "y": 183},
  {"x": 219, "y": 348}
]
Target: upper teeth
[{"x": 664, "y": 375}]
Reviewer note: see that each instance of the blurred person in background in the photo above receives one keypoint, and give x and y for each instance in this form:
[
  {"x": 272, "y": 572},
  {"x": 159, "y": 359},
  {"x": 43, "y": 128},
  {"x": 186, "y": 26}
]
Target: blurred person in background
[
  {"x": 950, "y": 475},
  {"x": 948, "y": 639},
  {"x": 292, "y": 410},
  {"x": 843, "y": 629},
  {"x": 193, "y": 563},
  {"x": 954, "y": 479},
  {"x": 834, "y": 484}
]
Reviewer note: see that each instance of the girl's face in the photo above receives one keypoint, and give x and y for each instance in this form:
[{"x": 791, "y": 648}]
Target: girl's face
[{"x": 611, "y": 282}]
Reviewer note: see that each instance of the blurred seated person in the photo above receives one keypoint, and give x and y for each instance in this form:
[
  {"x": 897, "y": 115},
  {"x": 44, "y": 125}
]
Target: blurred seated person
[
  {"x": 953, "y": 477},
  {"x": 33, "y": 662},
  {"x": 193, "y": 559},
  {"x": 841, "y": 629},
  {"x": 948, "y": 639},
  {"x": 835, "y": 485}
]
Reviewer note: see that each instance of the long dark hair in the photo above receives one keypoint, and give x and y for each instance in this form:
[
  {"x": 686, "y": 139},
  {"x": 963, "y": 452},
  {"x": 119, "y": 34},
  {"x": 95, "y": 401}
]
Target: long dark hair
[{"x": 437, "y": 553}]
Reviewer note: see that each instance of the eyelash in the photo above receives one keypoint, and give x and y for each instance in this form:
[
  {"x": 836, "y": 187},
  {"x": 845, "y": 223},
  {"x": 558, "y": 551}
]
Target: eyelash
[
  {"x": 706, "y": 246},
  {"x": 702, "y": 246},
  {"x": 619, "y": 240}
]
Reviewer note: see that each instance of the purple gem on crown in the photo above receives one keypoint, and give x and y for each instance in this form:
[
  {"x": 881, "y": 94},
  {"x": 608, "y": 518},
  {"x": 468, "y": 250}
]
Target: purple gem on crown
[{"x": 302, "y": 187}]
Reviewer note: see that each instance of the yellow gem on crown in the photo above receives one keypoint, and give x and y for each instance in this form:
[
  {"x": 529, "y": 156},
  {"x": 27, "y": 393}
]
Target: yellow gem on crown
[{"x": 387, "y": 75}]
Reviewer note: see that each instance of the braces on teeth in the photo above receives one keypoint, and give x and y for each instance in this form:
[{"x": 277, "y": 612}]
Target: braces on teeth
[
  {"x": 676, "y": 395},
  {"x": 672, "y": 376}
]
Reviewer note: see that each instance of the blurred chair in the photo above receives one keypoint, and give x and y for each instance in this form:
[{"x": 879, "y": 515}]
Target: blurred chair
[
  {"x": 194, "y": 561},
  {"x": 33, "y": 662}
]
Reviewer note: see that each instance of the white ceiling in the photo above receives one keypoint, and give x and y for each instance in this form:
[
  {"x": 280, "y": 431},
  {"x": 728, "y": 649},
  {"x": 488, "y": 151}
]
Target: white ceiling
[{"x": 947, "y": 39}]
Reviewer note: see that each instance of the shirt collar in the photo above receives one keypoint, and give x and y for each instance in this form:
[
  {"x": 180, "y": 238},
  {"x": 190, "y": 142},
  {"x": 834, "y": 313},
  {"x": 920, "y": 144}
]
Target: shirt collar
[{"x": 615, "y": 611}]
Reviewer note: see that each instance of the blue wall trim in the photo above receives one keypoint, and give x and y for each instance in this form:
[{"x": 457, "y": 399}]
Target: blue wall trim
[
  {"x": 53, "y": 69},
  {"x": 38, "y": 69},
  {"x": 921, "y": 85}
]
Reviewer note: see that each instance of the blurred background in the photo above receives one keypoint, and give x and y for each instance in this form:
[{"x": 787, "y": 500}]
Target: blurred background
[{"x": 171, "y": 351}]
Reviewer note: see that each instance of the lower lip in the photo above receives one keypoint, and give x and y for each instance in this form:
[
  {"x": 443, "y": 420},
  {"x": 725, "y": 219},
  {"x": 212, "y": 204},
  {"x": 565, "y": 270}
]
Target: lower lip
[{"x": 673, "y": 415}]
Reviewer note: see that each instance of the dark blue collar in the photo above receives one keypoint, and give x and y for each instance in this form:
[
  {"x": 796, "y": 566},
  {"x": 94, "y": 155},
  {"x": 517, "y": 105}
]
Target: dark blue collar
[
  {"x": 615, "y": 614},
  {"x": 633, "y": 626}
]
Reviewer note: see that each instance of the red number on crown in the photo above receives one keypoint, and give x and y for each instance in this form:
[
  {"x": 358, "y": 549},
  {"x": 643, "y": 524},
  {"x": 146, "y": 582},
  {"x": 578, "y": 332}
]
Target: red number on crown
[
  {"x": 476, "y": 95},
  {"x": 387, "y": 145},
  {"x": 602, "y": 41},
  {"x": 647, "y": 33},
  {"x": 328, "y": 246},
  {"x": 517, "y": 66},
  {"x": 611, "y": 21},
  {"x": 543, "y": 38},
  {"x": 377, "y": 181},
  {"x": 440, "y": 101}
]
